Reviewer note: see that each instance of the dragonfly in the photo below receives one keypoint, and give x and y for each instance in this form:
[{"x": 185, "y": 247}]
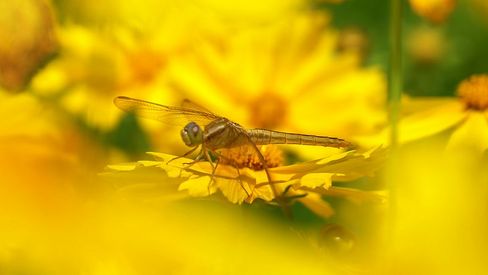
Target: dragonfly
[{"x": 211, "y": 132}]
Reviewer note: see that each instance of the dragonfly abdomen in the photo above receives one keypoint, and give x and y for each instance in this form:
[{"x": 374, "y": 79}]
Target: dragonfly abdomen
[{"x": 263, "y": 137}]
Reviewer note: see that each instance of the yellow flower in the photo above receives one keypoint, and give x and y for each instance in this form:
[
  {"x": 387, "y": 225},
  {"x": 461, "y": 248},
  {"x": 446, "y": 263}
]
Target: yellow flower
[
  {"x": 243, "y": 179},
  {"x": 120, "y": 237},
  {"x": 437, "y": 196},
  {"x": 466, "y": 116},
  {"x": 130, "y": 54},
  {"x": 435, "y": 11},
  {"x": 426, "y": 45},
  {"x": 54, "y": 217},
  {"x": 288, "y": 76},
  {"x": 354, "y": 39},
  {"x": 28, "y": 39},
  {"x": 95, "y": 66},
  {"x": 43, "y": 161}
]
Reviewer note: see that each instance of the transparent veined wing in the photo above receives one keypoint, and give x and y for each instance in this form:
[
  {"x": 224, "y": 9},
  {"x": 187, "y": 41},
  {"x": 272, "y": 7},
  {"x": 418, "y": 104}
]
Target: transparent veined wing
[
  {"x": 167, "y": 114},
  {"x": 188, "y": 104}
]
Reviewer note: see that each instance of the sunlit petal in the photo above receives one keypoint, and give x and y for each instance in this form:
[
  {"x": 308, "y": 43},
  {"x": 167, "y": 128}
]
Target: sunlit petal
[{"x": 472, "y": 134}]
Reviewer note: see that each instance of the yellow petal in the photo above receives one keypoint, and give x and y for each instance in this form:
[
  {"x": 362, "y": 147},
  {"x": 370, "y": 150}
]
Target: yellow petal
[
  {"x": 343, "y": 167},
  {"x": 203, "y": 79},
  {"x": 350, "y": 109},
  {"x": 166, "y": 157},
  {"x": 431, "y": 121},
  {"x": 315, "y": 203},
  {"x": 313, "y": 180},
  {"x": 310, "y": 165},
  {"x": 411, "y": 105},
  {"x": 130, "y": 166},
  {"x": 247, "y": 185},
  {"x": 420, "y": 124},
  {"x": 172, "y": 164},
  {"x": 143, "y": 180},
  {"x": 198, "y": 186},
  {"x": 123, "y": 166},
  {"x": 354, "y": 195},
  {"x": 233, "y": 190},
  {"x": 472, "y": 134},
  {"x": 264, "y": 190}
]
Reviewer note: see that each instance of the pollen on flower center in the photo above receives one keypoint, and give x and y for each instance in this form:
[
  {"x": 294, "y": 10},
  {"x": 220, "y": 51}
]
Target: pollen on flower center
[
  {"x": 246, "y": 156},
  {"x": 268, "y": 111},
  {"x": 474, "y": 92}
]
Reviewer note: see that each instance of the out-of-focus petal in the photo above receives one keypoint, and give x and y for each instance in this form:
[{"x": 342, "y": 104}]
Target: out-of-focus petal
[
  {"x": 472, "y": 134},
  {"x": 426, "y": 45},
  {"x": 317, "y": 179},
  {"x": 411, "y": 105},
  {"x": 315, "y": 203},
  {"x": 420, "y": 124},
  {"x": 354, "y": 195}
]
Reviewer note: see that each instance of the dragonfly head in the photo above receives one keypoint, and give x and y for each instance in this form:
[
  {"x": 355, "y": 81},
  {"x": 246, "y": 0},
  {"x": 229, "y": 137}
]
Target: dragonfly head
[{"x": 192, "y": 134}]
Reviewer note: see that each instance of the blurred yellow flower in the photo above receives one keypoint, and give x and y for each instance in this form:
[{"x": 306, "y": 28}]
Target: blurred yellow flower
[
  {"x": 123, "y": 47},
  {"x": 240, "y": 176},
  {"x": 94, "y": 66},
  {"x": 426, "y": 45},
  {"x": 56, "y": 218},
  {"x": 440, "y": 220},
  {"x": 354, "y": 39},
  {"x": 28, "y": 40},
  {"x": 43, "y": 161},
  {"x": 288, "y": 76},
  {"x": 466, "y": 115},
  {"x": 435, "y": 11},
  {"x": 114, "y": 236}
]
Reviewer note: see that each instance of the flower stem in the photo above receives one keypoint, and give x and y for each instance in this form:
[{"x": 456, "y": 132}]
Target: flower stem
[{"x": 395, "y": 78}]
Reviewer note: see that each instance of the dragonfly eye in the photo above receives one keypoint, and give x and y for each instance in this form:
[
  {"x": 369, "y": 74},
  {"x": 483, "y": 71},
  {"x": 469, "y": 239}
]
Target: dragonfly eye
[{"x": 192, "y": 134}]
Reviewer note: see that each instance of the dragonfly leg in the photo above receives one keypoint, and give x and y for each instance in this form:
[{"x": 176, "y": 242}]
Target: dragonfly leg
[
  {"x": 185, "y": 155},
  {"x": 278, "y": 197},
  {"x": 292, "y": 196},
  {"x": 200, "y": 157},
  {"x": 241, "y": 183},
  {"x": 209, "y": 159},
  {"x": 238, "y": 172},
  {"x": 214, "y": 168}
]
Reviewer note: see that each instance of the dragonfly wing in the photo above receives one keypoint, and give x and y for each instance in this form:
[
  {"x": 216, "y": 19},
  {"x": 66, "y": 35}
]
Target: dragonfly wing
[
  {"x": 188, "y": 104},
  {"x": 166, "y": 114}
]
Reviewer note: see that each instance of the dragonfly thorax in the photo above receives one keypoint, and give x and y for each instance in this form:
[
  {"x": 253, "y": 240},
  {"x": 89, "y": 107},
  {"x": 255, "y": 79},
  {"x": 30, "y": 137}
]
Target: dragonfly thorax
[{"x": 192, "y": 134}]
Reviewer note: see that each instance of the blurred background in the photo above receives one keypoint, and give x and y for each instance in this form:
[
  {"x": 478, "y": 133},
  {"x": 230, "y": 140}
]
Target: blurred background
[{"x": 308, "y": 66}]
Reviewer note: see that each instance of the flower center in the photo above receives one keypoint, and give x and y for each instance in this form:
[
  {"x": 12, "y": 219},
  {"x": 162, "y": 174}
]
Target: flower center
[
  {"x": 146, "y": 65},
  {"x": 474, "y": 92},
  {"x": 246, "y": 156},
  {"x": 268, "y": 111}
]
